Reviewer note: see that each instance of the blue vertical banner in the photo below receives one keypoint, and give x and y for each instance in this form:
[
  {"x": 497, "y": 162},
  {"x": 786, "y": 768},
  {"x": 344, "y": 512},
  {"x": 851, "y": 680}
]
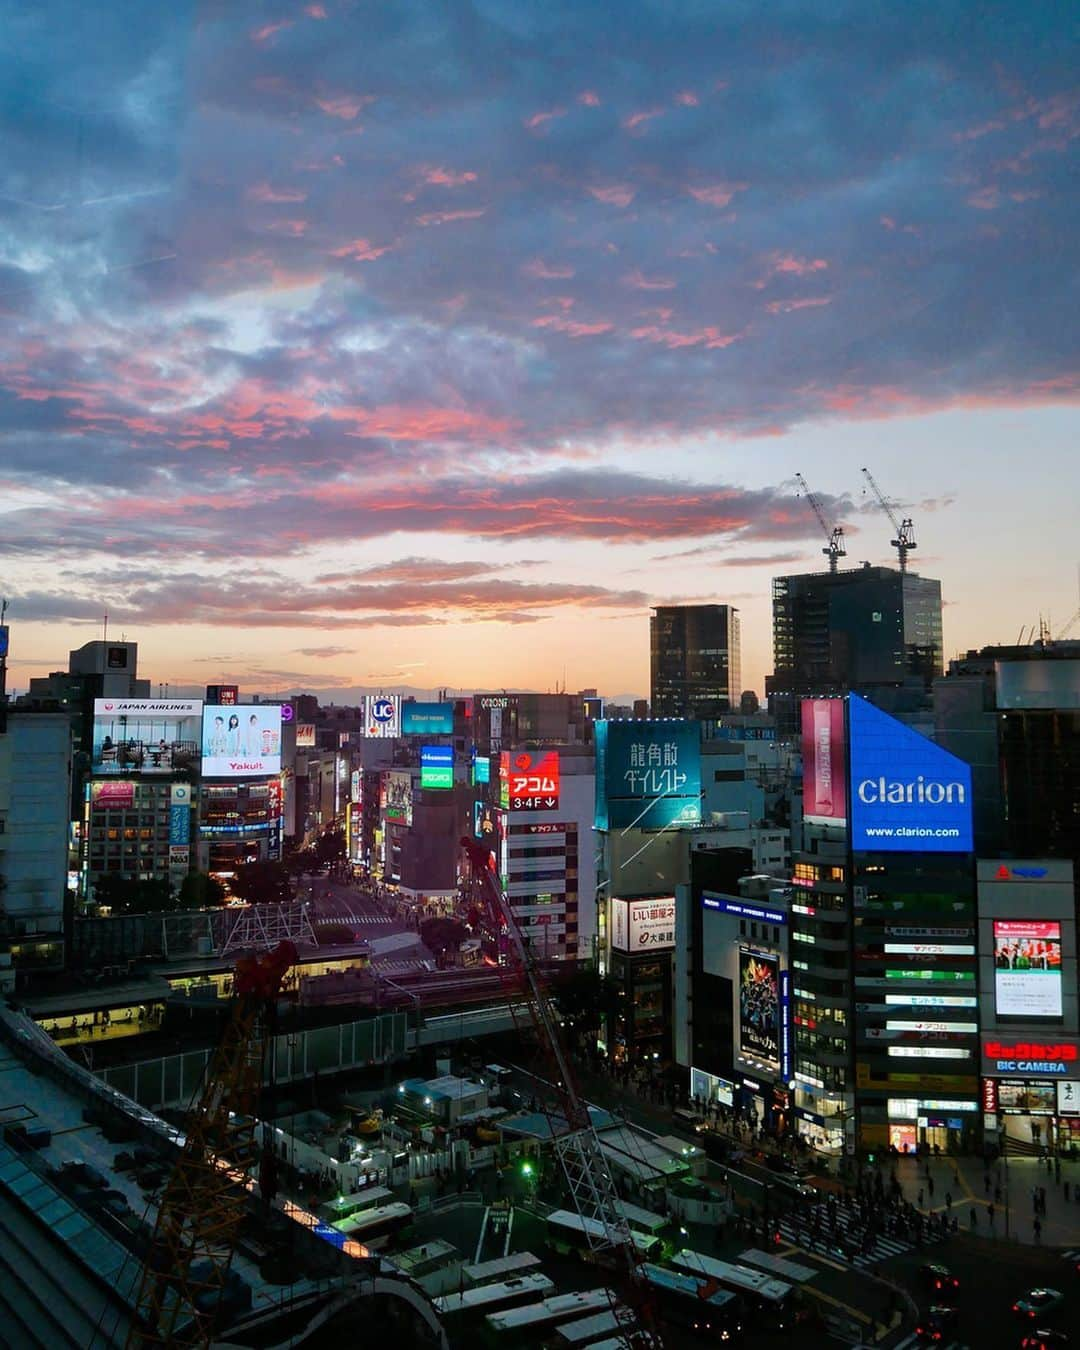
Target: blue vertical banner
[{"x": 785, "y": 1026}]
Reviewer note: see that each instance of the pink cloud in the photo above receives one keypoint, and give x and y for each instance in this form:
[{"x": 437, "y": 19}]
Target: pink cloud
[
  {"x": 717, "y": 194},
  {"x": 319, "y": 165},
  {"x": 296, "y": 229},
  {"x": 806, "y": 302},
  {"x": 977, "y": 132},
  {"x": 543, "y": 271},
  {"x": 887, "y": 223},
  {"x": 437, "y": 177},
  {"x": 571, "y": 327},
  {"x": 589, "y": 97},
  {"x": 641, "y": 119},
  {"x": 667, "y": 337},
  {"x": 985, "y": 199},
  {"x": 800, "y": 267},
  {"x": 269, "y": 29},
  {"x": 345, "y": 106},
  {"x": 266, "y": 192},
  {"x": 638, "y": 281},
  {"x": 687, "y": 98},
  {"x": 445, "y": 217},
  {"x": 315, "y": 11},
  {"x": 361, "y": 250},
  {"x": 539, "y": 120},
  {"x": 618, "y": 194}
]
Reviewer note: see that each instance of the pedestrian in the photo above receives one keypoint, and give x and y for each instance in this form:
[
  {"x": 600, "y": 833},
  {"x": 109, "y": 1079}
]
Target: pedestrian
[
  {"x": 990, "y": 1214},
  {"x": 948, "y": 1201},
  {"x": 973, "y": 1219},
  {"x": 930, "y": 1185},
  {"x": 920, "y": 1197},
  {"x": 1037, "y": 1226},
  {"x": 986, "y": 1183},
  {"x": 997, "y": 1195}
]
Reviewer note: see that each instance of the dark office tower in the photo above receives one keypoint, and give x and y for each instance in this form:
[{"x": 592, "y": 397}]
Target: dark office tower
[
  {"x": 873, "y": 630},
  {"x": 695, "y": 660}
]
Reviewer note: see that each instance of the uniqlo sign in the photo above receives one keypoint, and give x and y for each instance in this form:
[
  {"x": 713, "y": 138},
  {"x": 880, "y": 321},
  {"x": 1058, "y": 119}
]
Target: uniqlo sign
[{"x": 533, "y": 781}]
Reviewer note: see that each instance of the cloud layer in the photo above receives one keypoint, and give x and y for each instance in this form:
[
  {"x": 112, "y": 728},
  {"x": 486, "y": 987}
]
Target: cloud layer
[{"x": 352, "y": 272}]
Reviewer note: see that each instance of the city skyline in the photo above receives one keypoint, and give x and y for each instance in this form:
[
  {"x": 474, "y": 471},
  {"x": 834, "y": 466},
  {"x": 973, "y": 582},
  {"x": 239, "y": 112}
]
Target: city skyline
[{"x": 347, "y": 347}]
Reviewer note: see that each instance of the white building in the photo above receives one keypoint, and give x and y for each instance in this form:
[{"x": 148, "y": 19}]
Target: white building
[{"x": 35, "y": 795}]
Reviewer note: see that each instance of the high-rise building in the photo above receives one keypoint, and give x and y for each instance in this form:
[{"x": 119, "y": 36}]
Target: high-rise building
[
  {"x": 868, "y": 630},
  {"x": 695, "y": 661}
]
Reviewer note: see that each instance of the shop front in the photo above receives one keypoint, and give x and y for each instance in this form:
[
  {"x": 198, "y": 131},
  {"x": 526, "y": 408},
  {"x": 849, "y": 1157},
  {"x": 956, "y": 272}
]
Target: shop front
[{"x": 1031, "y": 1093}]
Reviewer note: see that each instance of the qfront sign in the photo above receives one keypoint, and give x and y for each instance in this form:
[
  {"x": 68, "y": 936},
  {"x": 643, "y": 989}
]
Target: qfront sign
[{"x": 907, "y": 794}]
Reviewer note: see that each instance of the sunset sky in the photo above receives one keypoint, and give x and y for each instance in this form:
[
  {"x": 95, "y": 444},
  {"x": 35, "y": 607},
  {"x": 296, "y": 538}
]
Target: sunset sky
[{"x": 353, "y": 343}]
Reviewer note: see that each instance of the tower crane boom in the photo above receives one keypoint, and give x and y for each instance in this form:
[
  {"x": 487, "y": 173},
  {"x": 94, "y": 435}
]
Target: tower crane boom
[
  {"x": 904, "y": 543},
  {"x": 835, "y": 549}
]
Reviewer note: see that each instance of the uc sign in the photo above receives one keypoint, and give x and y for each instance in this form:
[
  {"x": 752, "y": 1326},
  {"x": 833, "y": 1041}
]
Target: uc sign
[{"x": 382, "y": 709}]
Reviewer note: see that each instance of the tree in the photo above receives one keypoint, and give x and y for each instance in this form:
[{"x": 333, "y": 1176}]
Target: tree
[
  {"x": 128, "y": 895},
  {"x": 587, "y": 1000},
  {"x": 199, "y": 890},
  {"x": 330, "y": 846},
  {"x": 440, "y": 935},
  {"x": 262, "y": 883},
  {"x": 302, "y": 860}
]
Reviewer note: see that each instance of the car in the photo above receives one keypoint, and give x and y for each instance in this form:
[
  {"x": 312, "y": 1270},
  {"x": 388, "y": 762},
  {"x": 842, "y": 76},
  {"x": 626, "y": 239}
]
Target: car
[
  {"x": 939, "y": 1280},
  {"x": 940, "y": 1321},
  {"x": 796, "y": 1189},
  {"x": 1046, "y": 1339},
  {"x": 776, "y": 1162},
  {"x": 1039, "y": 1303}
]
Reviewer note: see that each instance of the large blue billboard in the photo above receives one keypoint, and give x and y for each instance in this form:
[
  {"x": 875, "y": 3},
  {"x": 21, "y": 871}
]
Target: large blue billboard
[
  {"x": 427, "y": 719},
  {"x": 648, "y": 773},
  {"x": 908, "y": 795}
]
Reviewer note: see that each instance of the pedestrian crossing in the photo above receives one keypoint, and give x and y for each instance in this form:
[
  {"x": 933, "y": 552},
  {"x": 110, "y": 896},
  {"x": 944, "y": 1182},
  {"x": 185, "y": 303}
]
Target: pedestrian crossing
[
  {"x": 846, "y": 1244},
  {"x": 912, "y": 1341},
  {"x": 357, "y": 920}
]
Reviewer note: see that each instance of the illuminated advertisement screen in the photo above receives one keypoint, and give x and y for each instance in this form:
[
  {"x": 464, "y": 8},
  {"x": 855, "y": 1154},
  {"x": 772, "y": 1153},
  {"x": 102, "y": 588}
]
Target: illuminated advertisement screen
[
  {"x": 533, "y": 780},
  {"x": 759, "y": 1005},
  {"x": 643, "y": 925},
  {"x": 824, "y": 761},
  {"x": 305, "y": 735},
  {"x": 119, "y": 795},
  {"x": 436, "y": 766},
  {"x": 907, "y": 794},
  {"x": 397, "y": 804},
  {"x": 427, "y": 719},
  {"x": 648, "y": 773},
  {"x": 145, "y": 736},
  {"x": 481, "y": 769},
  {"x": 242, "y": 741},
  {"x": 382, "y": 716},
  {"x": 1027, "y": 968},
  {"x": 1027, "y": 1098}
]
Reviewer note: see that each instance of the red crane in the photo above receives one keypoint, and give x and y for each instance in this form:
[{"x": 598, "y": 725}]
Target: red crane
[
  {"x": 185, "y": 1273},
  {"x": 574, "y": 1138}
]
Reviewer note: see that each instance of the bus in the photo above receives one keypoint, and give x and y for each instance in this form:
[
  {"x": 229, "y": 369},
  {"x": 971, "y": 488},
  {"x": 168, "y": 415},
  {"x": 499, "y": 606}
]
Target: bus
[
  {"x": 641, "y": 1220},
  {"x": 471, "y": 1305},
  {"x": 780, "y": 1266},
  {"x": 568, "y": 1234},
  {"x": 681, "y": 1300},
  {"x": 514, "y": 1326},
  {"x": 343, "y": 1206},
  {"x": 586, "y": 1331},
  {"x": 375, "y": 1227},
  {"x": 499, "y": 1268},
  {"x": 764, "y": 1296}
]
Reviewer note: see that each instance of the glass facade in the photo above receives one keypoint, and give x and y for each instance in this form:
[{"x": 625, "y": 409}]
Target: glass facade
[{"x": 695, "y": 661}]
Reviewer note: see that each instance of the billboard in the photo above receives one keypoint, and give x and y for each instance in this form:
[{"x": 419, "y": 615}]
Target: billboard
[
  {"x": 1026, "y": 1097},
  {"x": 305, "y": 735},
  {"x": 397, "y": 796},
  {"x": 907, "y": 794},
  {"x": 382, "y": 716},
  {"x": 532, "y": 780},
  {"x": 481, "y": 769},
  {"x": 179, "y": 815},
  {"x": 117, "y": 795},
  {"x": 648, "y": 773},
  {"x": 437, "y": 766},
  {"x": 759, "y": 1005},
  {"x": 427, "y": 719},
  {"x": 145, "y": 735},
  {"x": 1046, "y": 685},
  {"x": 1068, "y": 1098},
  {"x": 1027, "y": 968},
  {"x": 643, "y": 925},
  {"x": 228, "y": 695},
  {"x": 241, "y": 741},
  {"x": 824, "y": 761}
]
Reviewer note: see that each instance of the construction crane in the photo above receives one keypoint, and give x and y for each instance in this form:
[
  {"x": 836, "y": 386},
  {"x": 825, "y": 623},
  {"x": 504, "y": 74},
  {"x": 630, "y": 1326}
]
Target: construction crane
[
  {"x": 186, "y": 1270},
  {"x": 904, "y": 543},
  {"x": 573, "y": 1134},
  {"x": 835, "y": 549}
]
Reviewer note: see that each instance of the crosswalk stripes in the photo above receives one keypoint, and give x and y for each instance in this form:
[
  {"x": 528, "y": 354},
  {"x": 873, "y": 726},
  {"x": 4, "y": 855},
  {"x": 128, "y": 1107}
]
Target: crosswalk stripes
[{"x": 828, "y": 1245}]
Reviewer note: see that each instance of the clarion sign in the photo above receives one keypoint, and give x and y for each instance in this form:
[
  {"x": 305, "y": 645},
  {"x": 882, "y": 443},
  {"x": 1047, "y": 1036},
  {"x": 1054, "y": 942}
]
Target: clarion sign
[{"x": 917, "y": 793}]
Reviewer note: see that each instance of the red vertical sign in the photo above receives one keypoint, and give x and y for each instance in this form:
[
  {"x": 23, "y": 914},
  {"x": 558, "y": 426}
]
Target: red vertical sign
[{"x": 824, "y": 760}]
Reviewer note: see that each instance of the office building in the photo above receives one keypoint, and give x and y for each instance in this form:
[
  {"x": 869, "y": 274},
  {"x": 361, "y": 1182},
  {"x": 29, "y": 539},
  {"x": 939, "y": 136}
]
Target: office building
[
  {"x": 694, "y": 660},
  {"x": 35, "y": 789},
  {"x": 872, "y": 630},
  {"x": 883, "y": 946}
]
